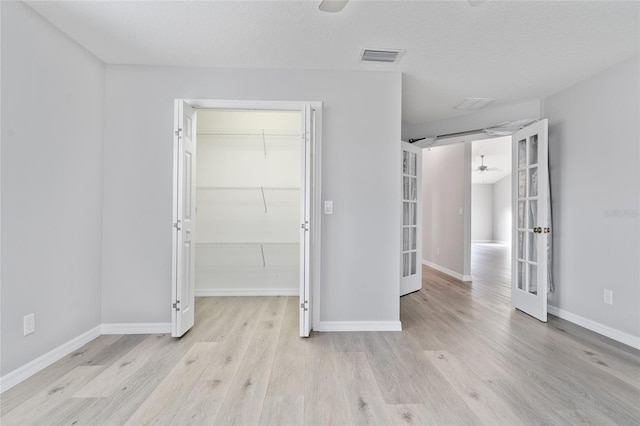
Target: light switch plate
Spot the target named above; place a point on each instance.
(328, 207)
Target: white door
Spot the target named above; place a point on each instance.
(305, 219)
(410, 257)
(530, 206)
(184, 202)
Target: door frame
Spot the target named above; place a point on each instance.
(315, 259)
(470, 137)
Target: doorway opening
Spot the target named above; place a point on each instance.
(248, 189)
(491, 164)
(447, 217)
(246, 179)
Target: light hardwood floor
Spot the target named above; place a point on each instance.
(464, 357)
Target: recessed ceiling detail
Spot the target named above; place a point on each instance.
(381, 55)
(474, 103)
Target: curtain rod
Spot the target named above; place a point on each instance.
(449, 135)
(502, 129)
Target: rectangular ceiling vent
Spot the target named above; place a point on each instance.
(381, 55)
(474, 103)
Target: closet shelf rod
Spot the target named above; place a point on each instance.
(251, 243)
(249, 188)
(208, 133)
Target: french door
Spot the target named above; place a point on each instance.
(184, 206)
(411, 254)
(530, 207)
(305, 219)
(184, 219)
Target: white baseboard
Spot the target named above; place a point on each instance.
(447, 271)
(20, 374)
(358, 326)
(213, 292)
(605, 330)
(137, 328)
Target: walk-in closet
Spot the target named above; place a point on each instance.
(248, 202)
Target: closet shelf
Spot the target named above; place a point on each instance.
(245, 243)
(257, 245)
(244, 188)
(260, 133)
(257, 132)
(248, 188)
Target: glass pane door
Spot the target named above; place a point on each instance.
(409, 212)
(530, 233)
(411, 247)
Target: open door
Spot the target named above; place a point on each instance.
(411, 255)
(305, 218)
(184, 201)
(530, 206)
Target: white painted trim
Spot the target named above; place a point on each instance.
(316, 218)
(447, 271)
(216, 292)
(20, 374)
(358, 326)
(594, 326)
(137, 328)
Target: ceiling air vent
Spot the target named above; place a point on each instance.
(380, 55)
(474, 103)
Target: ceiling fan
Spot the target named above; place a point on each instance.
(334, 6)
(482, 168)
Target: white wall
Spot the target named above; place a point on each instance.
(481, 212)
(595, 181)
(361, 172)
(52, 106)
(445, 183)
(502, 210)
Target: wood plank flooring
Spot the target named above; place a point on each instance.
(463, 357)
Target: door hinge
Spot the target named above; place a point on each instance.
(177, 225)
(304, 305)
(175, 305)
(177, 133)
(304, 226)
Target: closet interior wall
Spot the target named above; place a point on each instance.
(248, 202)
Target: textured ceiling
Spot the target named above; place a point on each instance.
(511, 51)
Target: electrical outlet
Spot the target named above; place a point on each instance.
(29, 324)
(608, 296)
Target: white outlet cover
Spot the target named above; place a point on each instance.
(29, 324)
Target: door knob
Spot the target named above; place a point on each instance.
(537, 230)
(547, 230)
